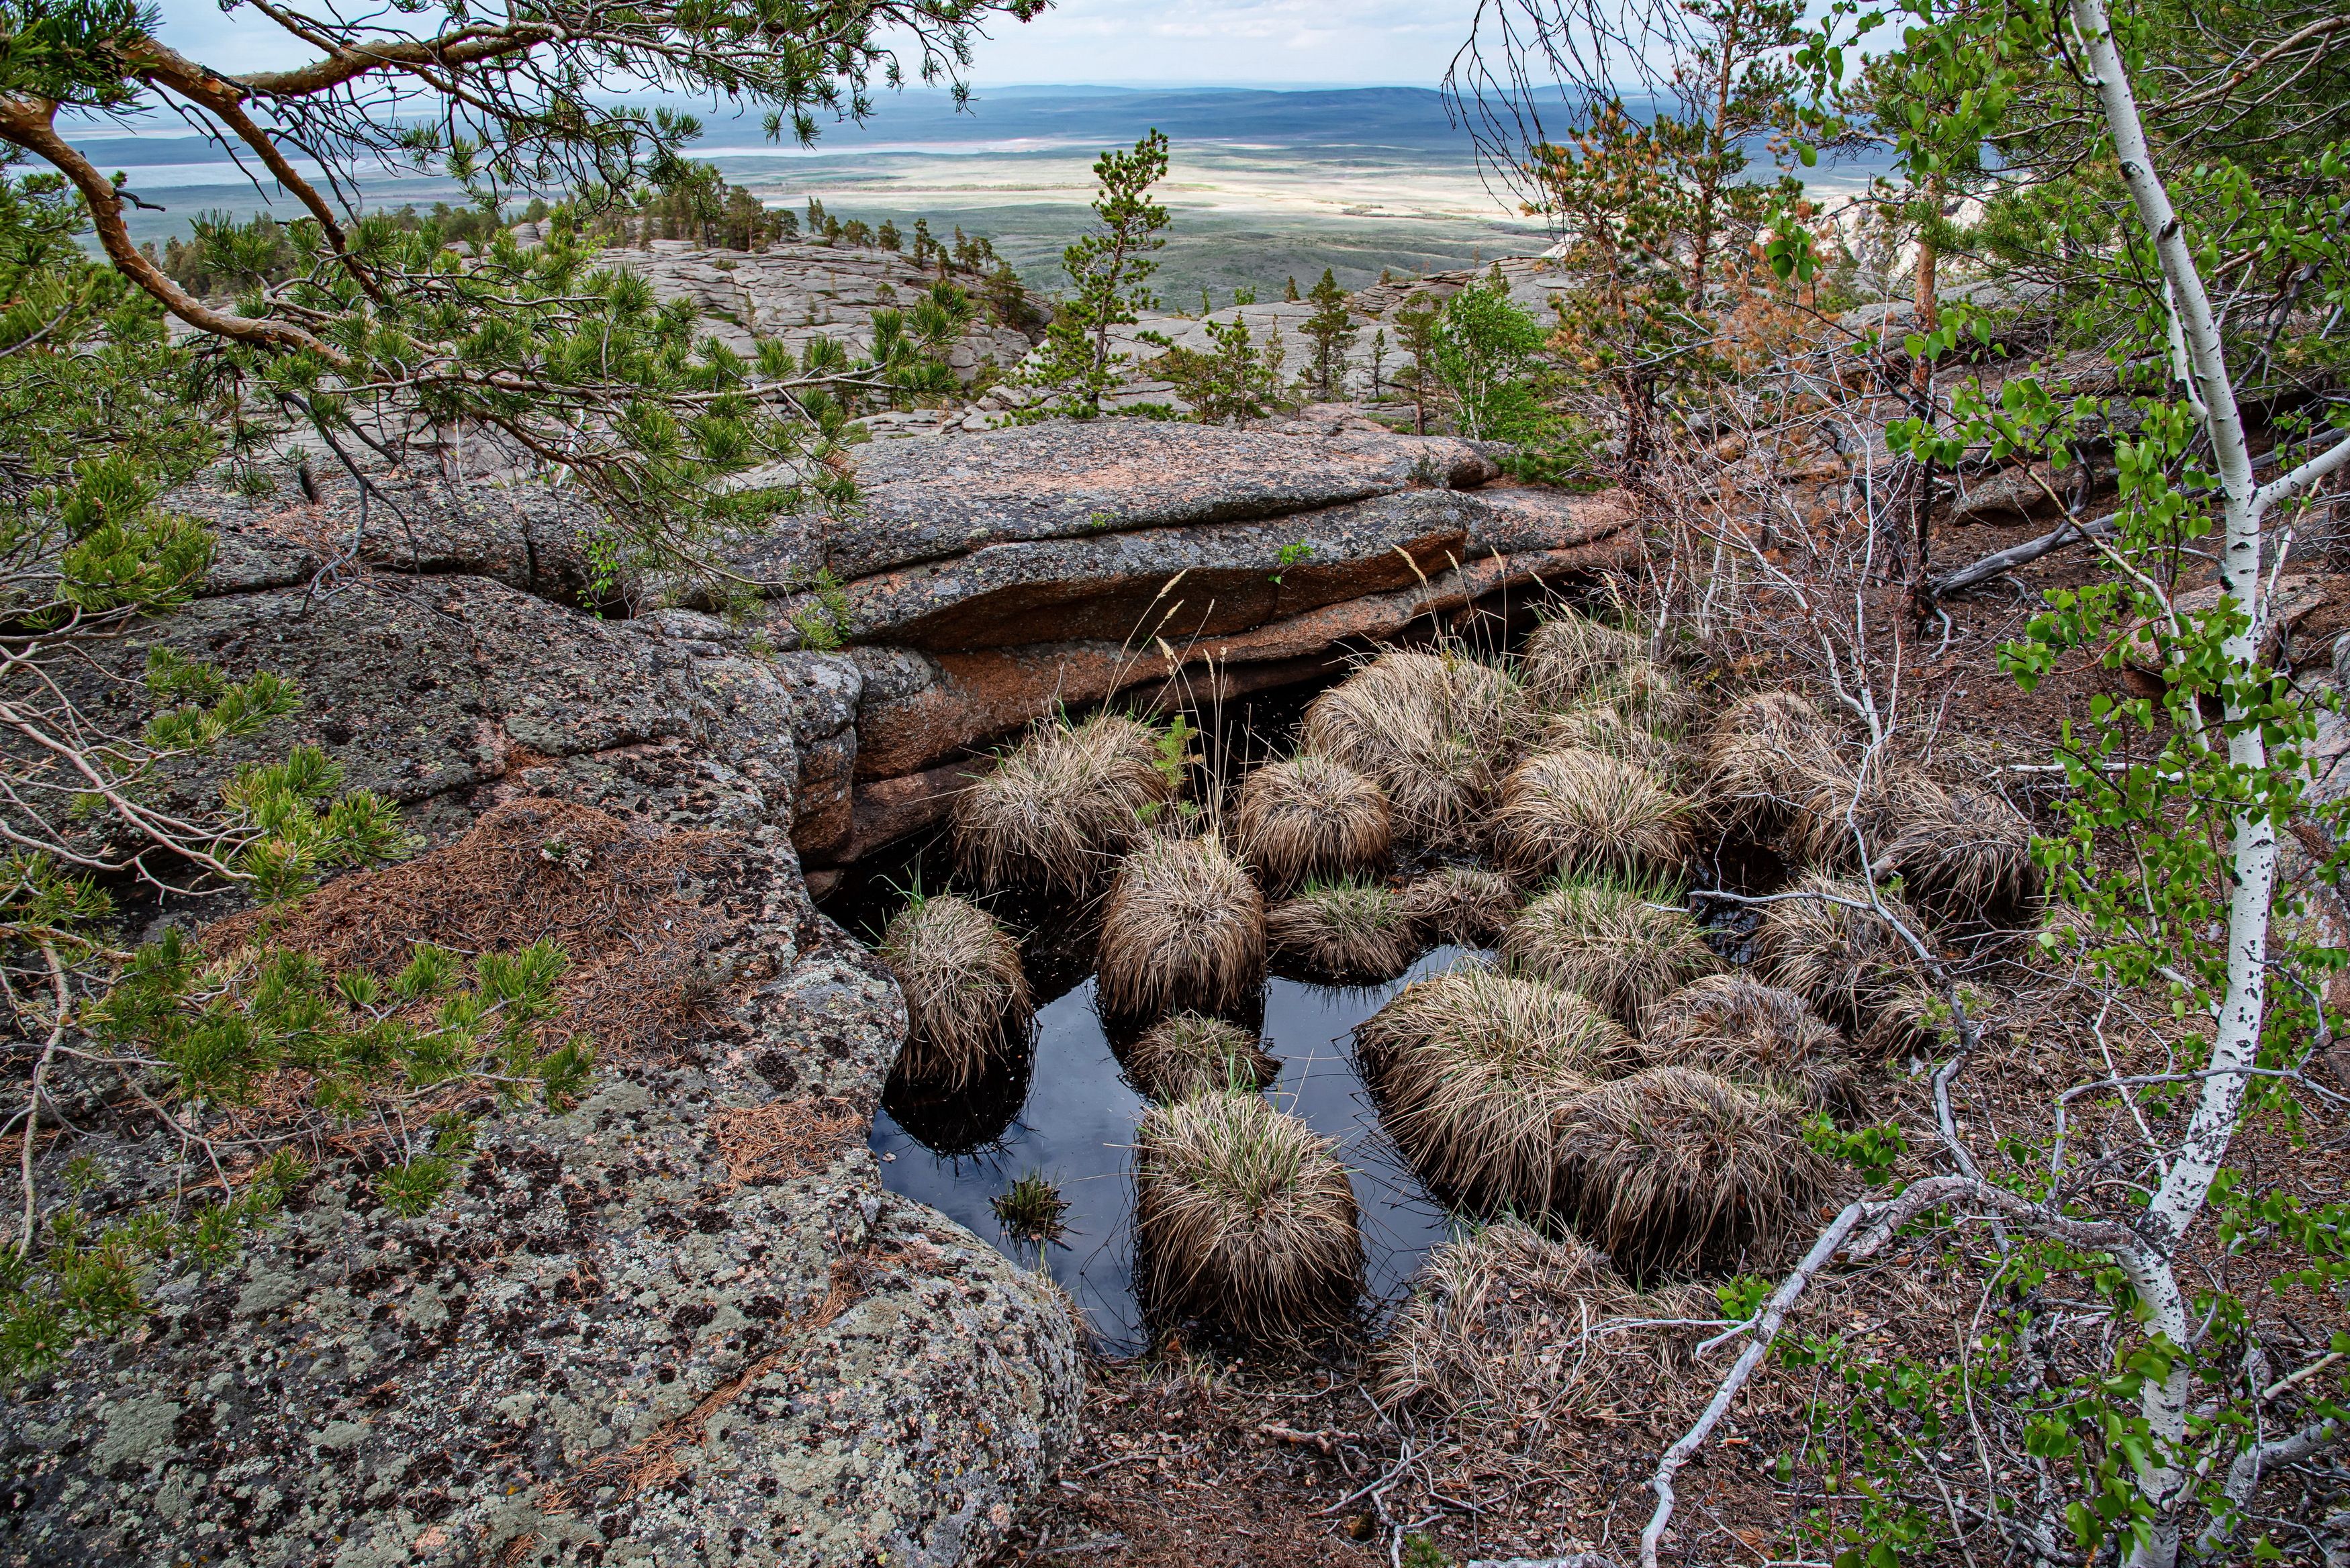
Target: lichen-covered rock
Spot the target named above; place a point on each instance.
(680, 1324)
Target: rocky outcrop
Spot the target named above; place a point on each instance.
(681, 1323)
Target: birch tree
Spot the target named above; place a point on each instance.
(2168, 852)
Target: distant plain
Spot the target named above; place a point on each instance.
(1266, 185)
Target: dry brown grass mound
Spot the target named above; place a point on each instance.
(1061, 805)
(1464, 904)
(1762, 758)
(1243, 1218)
(1568, 653)
(1432, 730)
(1345, 932)
(1193, 1053)
(1645, 692)
(1595, 727)
(1740, 1029)
(1964, 855)
(1677, 1170)
(1511, 1331)
(1473, 1072)
(1184, 927)
(1830, 945)
(965, 994)
(1310, 816)
(1584, 811)
(1625, 946)
(619, 896)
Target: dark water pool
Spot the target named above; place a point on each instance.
(1076, 1126)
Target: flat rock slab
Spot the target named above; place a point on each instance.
(933, 496)
(1117, 585)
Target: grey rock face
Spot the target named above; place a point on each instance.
(623, 1337)
(938, 496)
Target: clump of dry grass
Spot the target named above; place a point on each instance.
(1474, 1072)
(1464, 904)
(1310, 815)
(1830, 945)
(1193, 1053)
(1964, 855)
(1508, 1334)
(1062, 804)
(1584, 811)
(1678, 1169)
(1597, 727)
(1347, 933)
(1625, 945)
(1738, 1028)
(1184, 927)
(963, 987)
(1762, 758)
(1645, 692)
(1431, 729)
(1243, 1218)
(1570, 652)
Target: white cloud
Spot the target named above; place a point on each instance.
(1332, 42)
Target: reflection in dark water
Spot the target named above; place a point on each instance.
(963, 1120)
(1076, 1128)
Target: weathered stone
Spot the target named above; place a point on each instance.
(985, 692)
(928, 498)
(1234, 575)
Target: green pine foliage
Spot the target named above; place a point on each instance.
(1109, 269)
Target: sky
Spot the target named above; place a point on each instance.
(1255, 42)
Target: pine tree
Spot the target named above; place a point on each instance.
(1332, 332)
(1415, 334)
(1290, 294)
(1109, 270)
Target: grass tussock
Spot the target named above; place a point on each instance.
(1343, 932)
(1432, 730)
(1184, 927)
(1468, 904)
(1244, 1219)
(1965, 854)
(1645, 692)
(1595, 727)
(1496, 1338)
(1625, 945)
(1680, 1170)
(1308, 816)
(965, 994)
(1193, 1053)
(1569, 653)
(1832, 947)
(1062, 804)
(1581, 811)
(1735, 1027)
(1762, 759)
(1474, 1072)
